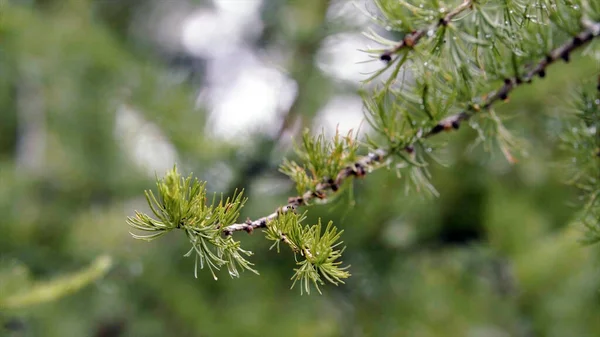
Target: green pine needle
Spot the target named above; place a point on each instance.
(316, 251)
(322, 159)
(182, 204)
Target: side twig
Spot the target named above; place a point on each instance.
(410, 40)
(591, 30)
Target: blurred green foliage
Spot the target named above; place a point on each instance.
(494, 255)
(18, 291)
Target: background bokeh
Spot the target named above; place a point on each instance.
(98, 96)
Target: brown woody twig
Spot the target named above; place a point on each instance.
(410, 40)
(591, 30)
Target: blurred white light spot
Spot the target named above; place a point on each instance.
(340, 57)
(219, 176)
(343, 113)
(144, 141)
(250, 103)
(209, 33)
(204, 33)
(242, 9)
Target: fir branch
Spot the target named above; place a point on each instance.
(591, 30)
(410, 40)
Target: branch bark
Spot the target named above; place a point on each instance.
(357, 169)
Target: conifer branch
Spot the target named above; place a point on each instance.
(357, 169)
(410, 40)
(591, 30)
(360, 167)
(403, 118)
